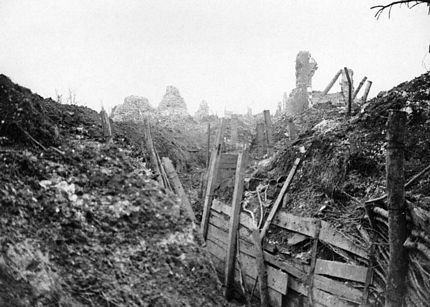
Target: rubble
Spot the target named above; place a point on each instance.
(134, 108)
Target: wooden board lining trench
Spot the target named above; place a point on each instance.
(326, 290)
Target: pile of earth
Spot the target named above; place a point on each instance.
(343, 166)
(82, 221)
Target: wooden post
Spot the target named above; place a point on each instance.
(397, 267)
(234, 224)
(349, 92)
(234, 136)
(330, 85)
(366, 91)
(212, 177)
(292, 130)
(208, 150)
(261, 144)
(107, 130)
(153, 154)
(269, 131)
(358, 88)
(261, 269)
(178, 188)
(279, 198)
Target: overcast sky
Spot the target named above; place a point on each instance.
(231, 53)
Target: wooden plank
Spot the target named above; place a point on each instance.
(234, 224)
(177, 186)
(300, 271)
(332, 236)
(303, 225)
(321, 298)
(213, 172)
(276, 279)
(216, 250)
(220, 221)
(219, 210)
(341, 270)
(328, 234)
(278, 201)
(276, 299)
(229, 158)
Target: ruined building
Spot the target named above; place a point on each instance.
(172, 103)
(134, 108)
(202, 112)
(298, 100)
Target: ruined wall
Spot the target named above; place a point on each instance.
(202, 112)
(298, 100)
(172, 103)
(134, 108)
(305, 69)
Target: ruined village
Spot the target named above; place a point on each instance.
(323, 202)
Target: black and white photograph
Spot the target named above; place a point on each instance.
(226, 153)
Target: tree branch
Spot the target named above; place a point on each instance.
(409, 3)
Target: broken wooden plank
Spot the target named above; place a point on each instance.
(212, 176)
(178, 188)
(278, 201)
(222, 211)
(234, 223)
(276, 279)
(329, 234)
(341, 270)
(300, 271)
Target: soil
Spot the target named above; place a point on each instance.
(83, 223)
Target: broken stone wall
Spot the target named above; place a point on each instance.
(172, 103)
(134, 108)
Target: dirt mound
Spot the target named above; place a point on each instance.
(84, 225)
(344, 166)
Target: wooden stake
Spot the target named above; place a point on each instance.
(107, 130)
(358, 88)
(178, 188)
(234, 224)
(208, 150)
(366, 91)
(349, 92)
(153, 154)
(261, 269)
(261, 144)
(279, 198)
(330, 85)
(234, 136)
(397, 266)
(212, 177)
(269, 131)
